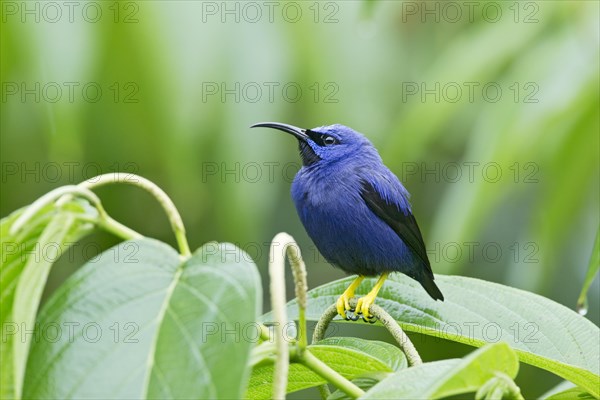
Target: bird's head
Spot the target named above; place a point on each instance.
(326, 143)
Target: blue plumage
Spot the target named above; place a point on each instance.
(342, 226)
(354, 208)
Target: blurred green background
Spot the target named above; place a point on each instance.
(487, 111)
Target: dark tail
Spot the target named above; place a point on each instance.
(430, 287)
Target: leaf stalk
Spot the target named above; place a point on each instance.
(284, 245)
(163, 199)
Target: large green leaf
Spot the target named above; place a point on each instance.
(351, 357)
(449, 377)
(27, 257)
(141, 323)
(543, 332)
(570, 394)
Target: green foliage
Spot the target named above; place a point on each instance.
(162, 324)
(570, 394)
(27, 257)
(351, 357)
(184, 133)
(142, 321)
(365, 382)
(440, 379)
(548, 150)
(386, 352)
(542, 332)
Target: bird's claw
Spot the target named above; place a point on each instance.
(362, 308)
(342, 305)
(343, 302)
(360, 311)
(371, 320)
(362, 305)
(345, 310)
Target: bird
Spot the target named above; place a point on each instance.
(356, 212)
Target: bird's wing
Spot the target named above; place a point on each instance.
(398, 217)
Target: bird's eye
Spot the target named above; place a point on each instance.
(329, 140)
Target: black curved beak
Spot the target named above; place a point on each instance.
(294, 130)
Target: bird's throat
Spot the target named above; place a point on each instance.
(308, 155)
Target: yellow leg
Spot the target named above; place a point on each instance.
(343, 302)
(362, 307)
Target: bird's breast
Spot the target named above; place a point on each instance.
(321, 188)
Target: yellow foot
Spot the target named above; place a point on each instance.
(343, 302)
(342, 305)
(364, 303)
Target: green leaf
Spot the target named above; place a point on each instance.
(542, 332)
(501, 386)
(592, 271)
(27, 257)
(449, 377)
(572, 393)
(141, 323)
(365, 382)
(391, 355)
(562, 386)
(346, 356)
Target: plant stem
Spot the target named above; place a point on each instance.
(386, 319)
(51, 197)
(277, 286)
(299, 272)
(298, 350)
(117, 228)
(407, 347)
(309, 360)
(63, 194)
(164, 200)
(290, 248)
(499, 387)
(264, 353)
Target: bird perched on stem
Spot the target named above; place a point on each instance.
(356, 211)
